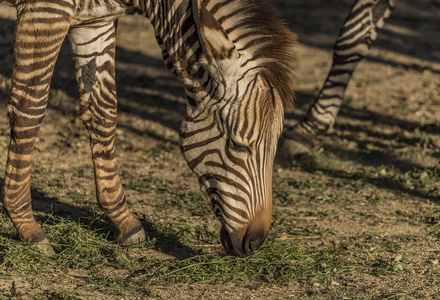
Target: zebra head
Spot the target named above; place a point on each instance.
(235, 92)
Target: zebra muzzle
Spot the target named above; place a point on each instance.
(243, 243)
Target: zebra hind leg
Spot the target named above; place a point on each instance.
(353, 43)
(94, 52)
(36, 49)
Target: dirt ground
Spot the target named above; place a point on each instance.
(373, 181)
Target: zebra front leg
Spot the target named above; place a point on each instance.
(352, 45)
(36, 47)
(94, 53)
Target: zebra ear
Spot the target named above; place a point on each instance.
(213, 38)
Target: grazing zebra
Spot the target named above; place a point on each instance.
(352, 45)
(235, 61)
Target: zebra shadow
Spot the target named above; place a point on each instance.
(361, 127)
(411, 30)
(50, 210)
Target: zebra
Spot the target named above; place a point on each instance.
(356, 36)
(235, 60)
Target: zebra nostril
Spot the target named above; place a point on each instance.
(255, 244)
(245, 241)
(253, 240)
(231, 242)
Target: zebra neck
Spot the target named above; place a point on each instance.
(177, 36)
(175, 32)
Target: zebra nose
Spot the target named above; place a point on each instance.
(244, 244)
(254, 238)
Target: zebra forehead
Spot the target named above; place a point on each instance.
(263, 98)
(262, 113)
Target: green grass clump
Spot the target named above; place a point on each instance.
(434, 218)
(275, 263)
(424, 181)
(76, 246)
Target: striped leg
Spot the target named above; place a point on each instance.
(94, 51)
(36, 49)
(352, 45)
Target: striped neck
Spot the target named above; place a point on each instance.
(175, 32)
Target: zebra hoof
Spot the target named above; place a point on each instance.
(290, 147)
(295, 141)
(132, 239)
(45, 248)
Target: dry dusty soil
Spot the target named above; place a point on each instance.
(369, 193)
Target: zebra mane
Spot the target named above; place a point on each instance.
(274, 43)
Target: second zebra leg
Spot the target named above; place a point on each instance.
(353, 43)
(94, 52)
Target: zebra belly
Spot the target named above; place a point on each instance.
(91, 12)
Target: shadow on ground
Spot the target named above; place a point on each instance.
(98, 223)
(412, 28)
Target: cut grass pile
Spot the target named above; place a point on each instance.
(79, 247)
(137, 269)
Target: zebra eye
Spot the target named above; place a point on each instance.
(239, 147)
